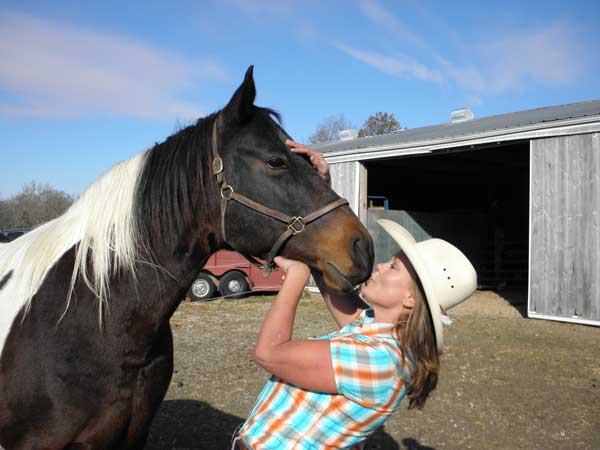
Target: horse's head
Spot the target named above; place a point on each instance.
(258, 165)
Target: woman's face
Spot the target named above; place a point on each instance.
(390, 286)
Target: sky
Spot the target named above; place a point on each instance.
(84, 85)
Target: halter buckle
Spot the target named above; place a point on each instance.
(296, 225)
(227, 192)
(217, 166)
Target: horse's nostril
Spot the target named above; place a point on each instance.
(362, 252)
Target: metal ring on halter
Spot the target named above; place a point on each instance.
(217, 166)
(227, 192)
(296, 225)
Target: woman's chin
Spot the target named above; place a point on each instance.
(362, 291)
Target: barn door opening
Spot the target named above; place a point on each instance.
(477, 199)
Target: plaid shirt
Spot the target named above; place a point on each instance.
(371, 381)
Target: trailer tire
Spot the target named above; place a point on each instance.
(234, 284)
(203, 288)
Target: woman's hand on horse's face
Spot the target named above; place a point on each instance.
(316, 158)
(290, 266)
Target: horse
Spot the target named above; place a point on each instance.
(86, 349)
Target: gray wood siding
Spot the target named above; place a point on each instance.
(565, 228)
(343, 180)
(362, 193)
(349, 180)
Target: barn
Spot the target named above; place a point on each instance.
(519, 193)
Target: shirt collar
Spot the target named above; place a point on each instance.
(365, 324)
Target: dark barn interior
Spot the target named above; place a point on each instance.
(475, 198)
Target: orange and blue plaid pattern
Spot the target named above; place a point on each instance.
(371, 381)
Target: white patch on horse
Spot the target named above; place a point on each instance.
(101, 223)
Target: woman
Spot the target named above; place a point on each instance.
(332, 392)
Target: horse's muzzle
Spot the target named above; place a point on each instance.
(362, 255)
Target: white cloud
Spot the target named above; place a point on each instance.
(56, 70)
(378, 15)
(400, 65)
(260, 8)
(473, 100)
(468, 77)
(552, 54)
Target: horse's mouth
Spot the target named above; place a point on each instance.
(336, 279)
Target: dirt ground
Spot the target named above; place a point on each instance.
(507, 382)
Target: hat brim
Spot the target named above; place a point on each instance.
(408, 245)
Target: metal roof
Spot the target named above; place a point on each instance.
(450, 130)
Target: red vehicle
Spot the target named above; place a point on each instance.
(232, 276)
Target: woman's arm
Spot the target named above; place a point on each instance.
(304, 363)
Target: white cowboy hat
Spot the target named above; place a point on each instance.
(447, 276)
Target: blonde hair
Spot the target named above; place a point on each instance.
(416, 338)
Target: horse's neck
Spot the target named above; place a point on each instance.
(184, 256)
(160, 288)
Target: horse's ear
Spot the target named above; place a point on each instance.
(240, 108)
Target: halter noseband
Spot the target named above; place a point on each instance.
(295, 224)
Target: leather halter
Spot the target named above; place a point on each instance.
(294, 225)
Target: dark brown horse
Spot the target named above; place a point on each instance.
(85, 300)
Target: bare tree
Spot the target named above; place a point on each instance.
(379, 123)
(35, 204)
(7, 215)
(328, 129)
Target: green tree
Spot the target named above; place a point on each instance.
(379, 123)
(329, 128)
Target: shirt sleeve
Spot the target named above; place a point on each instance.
(364, 370)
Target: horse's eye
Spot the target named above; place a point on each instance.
(275, 163)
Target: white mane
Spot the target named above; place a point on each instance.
(100, 223)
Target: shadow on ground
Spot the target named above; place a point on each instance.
(517, 298)
(191, 424)
(195, 425)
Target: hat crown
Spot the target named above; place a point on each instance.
(452, 275)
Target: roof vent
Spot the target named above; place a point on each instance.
(351, 133)
(461, 115)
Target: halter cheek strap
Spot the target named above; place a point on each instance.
(294, 225)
